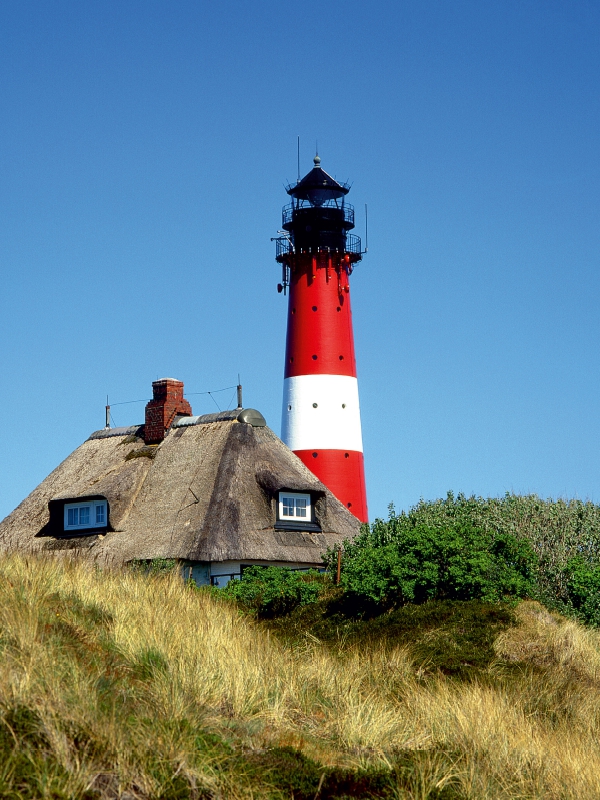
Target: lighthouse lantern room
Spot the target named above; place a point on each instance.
(321, 412)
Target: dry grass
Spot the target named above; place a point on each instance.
(112, 682)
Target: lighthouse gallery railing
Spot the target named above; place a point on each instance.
(284, 246)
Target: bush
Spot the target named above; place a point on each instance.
(272, 591)
(558, 531)
(584, 590)
(405, 560)
(564, 535)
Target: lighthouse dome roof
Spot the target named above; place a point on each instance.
(318, 186)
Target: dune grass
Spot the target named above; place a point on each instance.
(114, 684)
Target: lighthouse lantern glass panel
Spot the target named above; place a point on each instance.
(294, 506)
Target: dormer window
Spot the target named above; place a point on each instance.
(295, 510)
(294, 507)
(90, 514)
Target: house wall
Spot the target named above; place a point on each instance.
(197, 571)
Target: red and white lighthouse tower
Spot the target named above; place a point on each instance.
(321, 412)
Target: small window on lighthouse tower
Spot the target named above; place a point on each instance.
(293, 505)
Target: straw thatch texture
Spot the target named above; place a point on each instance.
(208, 492)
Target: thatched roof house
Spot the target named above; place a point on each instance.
(215, 492)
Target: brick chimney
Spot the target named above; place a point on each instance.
(167, 403)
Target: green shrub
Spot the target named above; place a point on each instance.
(272, 591)
(558, 530)
(584, 589)
(405, 560)
(561, 534)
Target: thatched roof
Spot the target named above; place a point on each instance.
(207, 493)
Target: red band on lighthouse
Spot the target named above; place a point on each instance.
(321, 411)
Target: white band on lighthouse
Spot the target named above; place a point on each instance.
(321, 412)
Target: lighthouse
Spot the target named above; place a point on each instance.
(321, 412)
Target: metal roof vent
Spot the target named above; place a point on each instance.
(252, 417)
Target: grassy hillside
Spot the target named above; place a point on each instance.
(118, 685)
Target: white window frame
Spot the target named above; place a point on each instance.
(295, 518)
(92, 505)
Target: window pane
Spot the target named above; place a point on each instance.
(100, 514)
(300, 507)
(288, 506)
(84, 515)
(72, 516)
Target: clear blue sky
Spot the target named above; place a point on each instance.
(143, 152)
